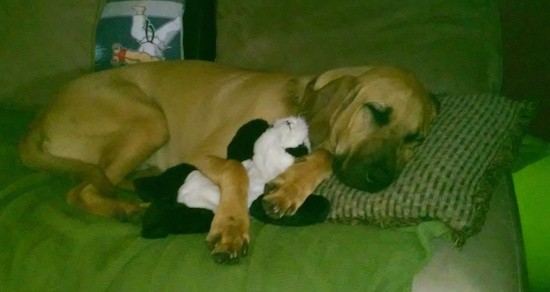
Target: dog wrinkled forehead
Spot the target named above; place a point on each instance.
(334, 74)
(292, 131)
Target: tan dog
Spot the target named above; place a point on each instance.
(364, 124)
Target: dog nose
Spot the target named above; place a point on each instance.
(378, 178)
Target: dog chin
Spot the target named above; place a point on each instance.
(360, 176)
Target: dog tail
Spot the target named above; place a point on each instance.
(34, 156)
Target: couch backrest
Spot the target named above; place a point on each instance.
(452, 45)
(43, 45)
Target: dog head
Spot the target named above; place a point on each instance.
(371, 122)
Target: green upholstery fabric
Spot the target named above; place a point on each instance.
(532, 185)
(44, 45)
(453, 46)
(47, 245)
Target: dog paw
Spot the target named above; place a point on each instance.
(228, 239)
(282, 199)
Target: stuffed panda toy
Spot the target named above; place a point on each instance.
(272, 155)
(183, 200)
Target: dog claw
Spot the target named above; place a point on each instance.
(271, 210)
(244, 249)
(227, 252)
(225, 258)
(276, 212)
(230, 258)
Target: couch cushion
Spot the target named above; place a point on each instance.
(454, 46)
(130, 32)
(142, 31)
(492, 260)
(48, 245)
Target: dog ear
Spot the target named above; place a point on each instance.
(315, 101)
(331, 75)
(335, 92)
(319, 105)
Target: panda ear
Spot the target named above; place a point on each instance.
(301, 150)
(241, 146)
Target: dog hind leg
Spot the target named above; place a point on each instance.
(143, 130)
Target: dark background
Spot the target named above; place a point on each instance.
(526, 49)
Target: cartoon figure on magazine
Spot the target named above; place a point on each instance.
(152, 42)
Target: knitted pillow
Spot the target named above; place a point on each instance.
(130, 32)
(451, 178)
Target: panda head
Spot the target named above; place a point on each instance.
(292, 132)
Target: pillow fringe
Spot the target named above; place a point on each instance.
(499, 166)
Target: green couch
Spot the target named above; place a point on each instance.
(47, 245)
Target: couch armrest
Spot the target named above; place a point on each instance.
(492, 260)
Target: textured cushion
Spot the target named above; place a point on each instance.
(453, 174)
(130, 32)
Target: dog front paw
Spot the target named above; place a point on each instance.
(282, 199)
(228, 238)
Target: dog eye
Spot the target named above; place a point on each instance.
(415, 138)
(380, 114)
